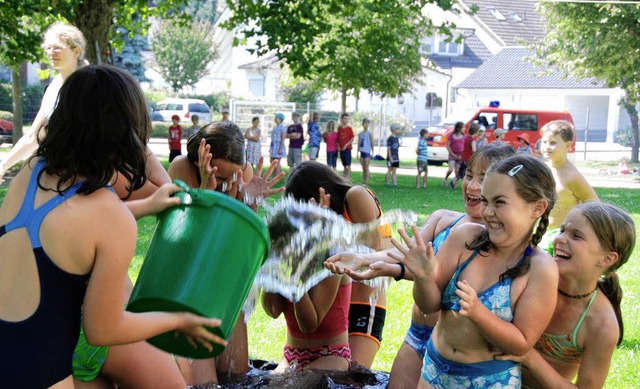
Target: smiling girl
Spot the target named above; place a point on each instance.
(493, 289)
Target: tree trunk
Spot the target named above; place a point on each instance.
(343, 99)
(94, 19)
(630, 107)
(16, 84)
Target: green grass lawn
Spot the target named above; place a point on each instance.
(267, 336)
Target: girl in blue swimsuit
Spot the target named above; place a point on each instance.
(595, 240)
(494, 287)
(66, 239)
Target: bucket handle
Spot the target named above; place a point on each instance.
(196, 196)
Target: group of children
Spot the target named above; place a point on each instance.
(493, 307)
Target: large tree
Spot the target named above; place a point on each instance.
(183, 52)
(601, 41)
(344, 46)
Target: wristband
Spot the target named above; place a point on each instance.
(401, 275)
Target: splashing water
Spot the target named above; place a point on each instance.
(304, 235)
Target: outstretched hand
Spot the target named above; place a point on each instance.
(193, 327)
(416, 256)
(260, 187)
(354, 265)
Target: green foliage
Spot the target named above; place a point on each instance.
(596, 40)
(6, 115)
(160, 129)
(153, 96)
(183, 52)
(300, 92)
(344, 46)
(623, 137)
(216, 101)
(31, 99)
(6, 99)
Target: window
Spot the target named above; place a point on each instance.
(198, 107)
(488, 120)
(521, 121)
(425, 48)
(256, 87)
(449, 48)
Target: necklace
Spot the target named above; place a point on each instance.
(577, 296)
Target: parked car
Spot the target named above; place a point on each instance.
(6, 132)
(516, 121)
(184, 108)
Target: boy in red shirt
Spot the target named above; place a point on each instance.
(175, 138)
(345, 137)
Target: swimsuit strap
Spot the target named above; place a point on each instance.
(583, 315)
(30, 217)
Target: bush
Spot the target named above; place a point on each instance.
(160, 130)
(623, 137)
(216, 101)
(6, 115)
(153, 97)
(6, 99)
(31, 99)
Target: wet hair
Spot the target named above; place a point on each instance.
(458, 127)
(560, 127)
(423, 131)
(255, 118)
(616, 232)
(331, 125)
(100, 126)
(474, 128)
(490, 154)
(306, 179)
(70, 36)
(533, 181)
(225, 139)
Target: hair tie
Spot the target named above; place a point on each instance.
(528, 251)
(401, 275)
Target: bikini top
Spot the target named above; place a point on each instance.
(49, 336)
(442, 235)
(335, 322)
(497, 297)
(564, 347)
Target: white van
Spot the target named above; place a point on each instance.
(184, 108)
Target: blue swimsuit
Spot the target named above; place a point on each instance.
(418, 334)
(37, 352)
(443, 373)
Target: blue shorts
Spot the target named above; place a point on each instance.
(417, 337)
(442, 373)
(345, 157)
(365, 155)
(332, 158)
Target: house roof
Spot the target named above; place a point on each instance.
(474, 54)
(510, 69)
(267, 62)
(512, 23)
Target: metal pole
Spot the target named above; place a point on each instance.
(586, 137)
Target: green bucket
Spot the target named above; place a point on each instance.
(203, 258)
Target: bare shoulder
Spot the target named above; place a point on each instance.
(465, 232)
(601, 323)
(443, 218)
(183, 169)
(542, 264)
(362, 205)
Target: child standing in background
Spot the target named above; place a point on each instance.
(195, 120)
(393, 157)
(365, 147)
(331, 139)
(254, 148)
(468, 150)
(422, 159)
(315, 137)
(455, 146)
(278, 148)
(175, 138)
